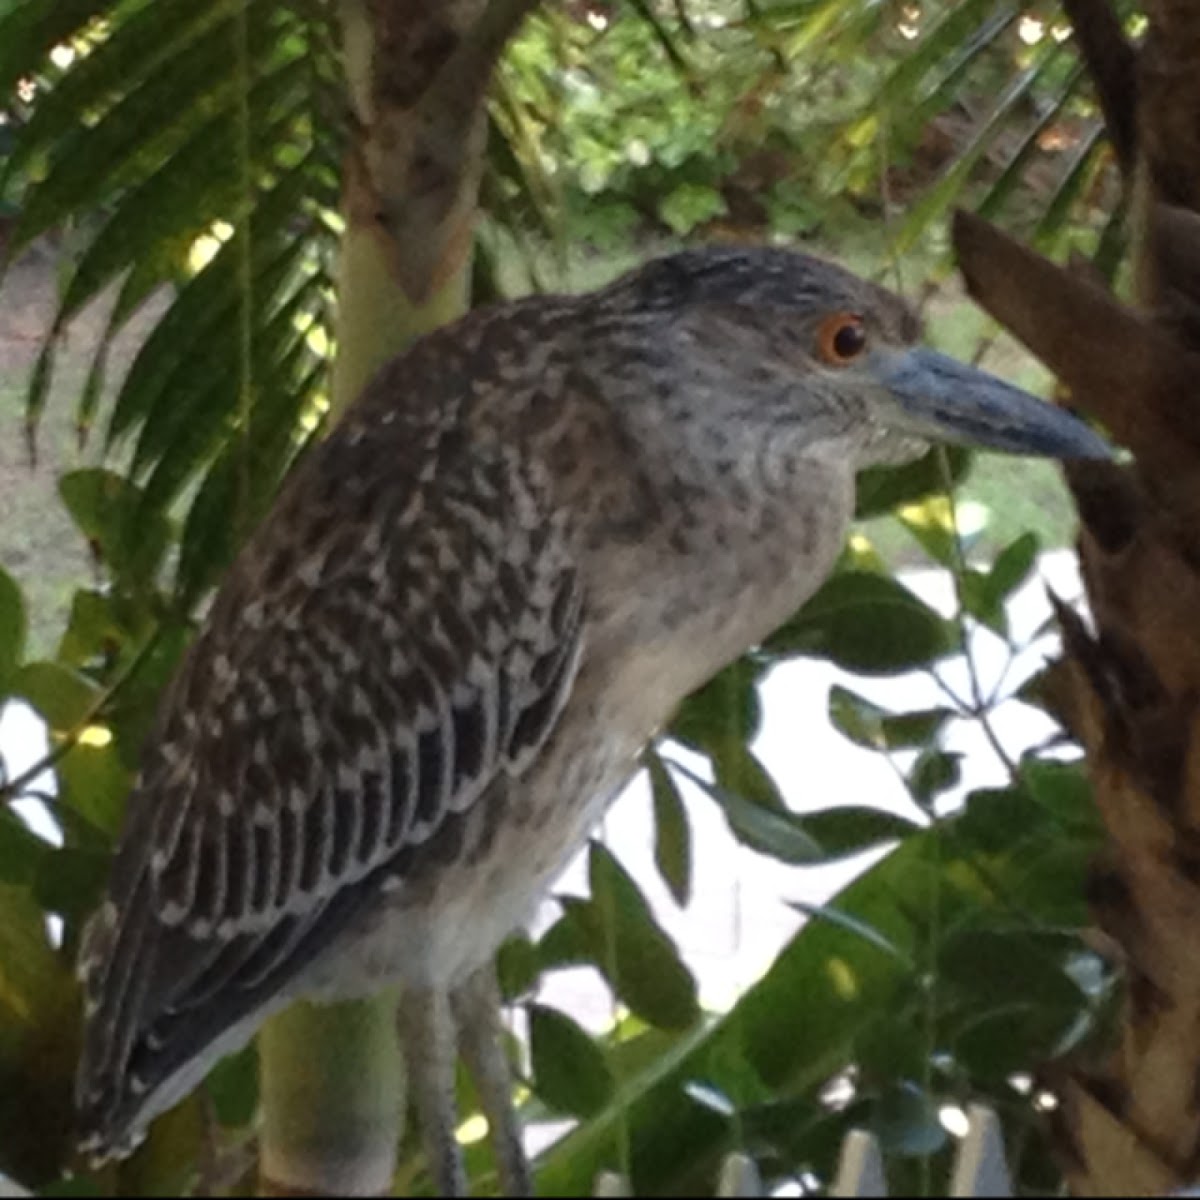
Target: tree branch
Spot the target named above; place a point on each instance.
(1172, 255)
(1112, 63)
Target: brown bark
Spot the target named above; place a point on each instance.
(417, 73)
(1130, 685)
(1112, 63)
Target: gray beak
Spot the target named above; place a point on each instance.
(945, 400)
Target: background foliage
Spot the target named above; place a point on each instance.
(185, 154)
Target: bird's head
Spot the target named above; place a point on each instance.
(818, 349)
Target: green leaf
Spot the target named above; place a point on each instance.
(148, 38)
(108, 511)
(1088, 160)
(31, 975)
(725, 709)
(70, 881)
(1050, 853)
(867, 623)
(1062, 789)
(858, 718)
(853, 925)
(936, 199)
(881, 489)
(1013, 565)
(984, 594)
(854, 828)
(1113, 243)
(836, 980)
(144, 129)
(952, 30)
(886, 1048)
(75, 1186)
(934, 772)
(932, 523)
(155, 222)
(198, 429)
(874, 728)
(918, 728)
(95, 782)
(1000, 966)
(187, 377)
(663, 36)
(241, 483)
(638, 958)
(204, 310)
(738, 770)
(994, 1041)
(514, 157)
(730, 1073)
(29, 30)
(233, 1086)
(517, 967)
(672, 834)
(571, 940)
(952, 61)
(39, 389)
(92, 629)
(570, 1071)
(981, 602)
(990, 815)
(76, 829)
(13, 626)
(780, 834)
(689, 205)
(21, 850)
(803, 839)
(157, 655)
(63, 697)
(1050, 114)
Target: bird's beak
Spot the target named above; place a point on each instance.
(944, 400)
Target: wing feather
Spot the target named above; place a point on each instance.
(320, 739)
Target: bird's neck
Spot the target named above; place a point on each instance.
(670, 609)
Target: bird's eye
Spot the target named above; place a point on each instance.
(841, 338)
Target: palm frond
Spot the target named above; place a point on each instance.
(197, 146)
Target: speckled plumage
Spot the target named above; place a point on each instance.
(439, 658)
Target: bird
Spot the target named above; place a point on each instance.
(442, 653)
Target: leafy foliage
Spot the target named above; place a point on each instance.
(195, 144)
(808, 119)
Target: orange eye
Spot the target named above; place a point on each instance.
(841, 338)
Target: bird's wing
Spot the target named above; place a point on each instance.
(383, 652)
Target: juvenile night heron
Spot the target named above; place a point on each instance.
(439, 658)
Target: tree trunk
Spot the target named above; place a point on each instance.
(1129, 687)
(417, 72)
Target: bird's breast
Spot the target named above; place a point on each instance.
(669, 611)
(662, 619)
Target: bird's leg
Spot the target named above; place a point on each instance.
(481, 1039)
(427, 1033)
